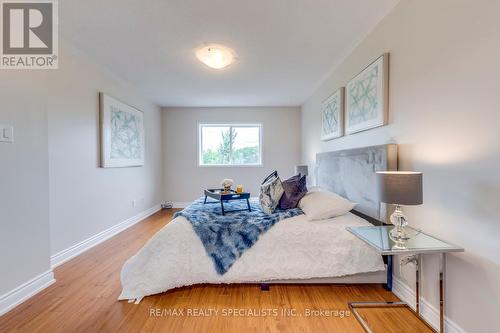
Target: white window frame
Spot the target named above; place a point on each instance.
(252, 124)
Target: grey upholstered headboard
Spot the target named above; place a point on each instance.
(351, 174)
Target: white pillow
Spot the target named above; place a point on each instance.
(322, 205)
(314, 189)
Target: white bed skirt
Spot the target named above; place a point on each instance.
(361, 278)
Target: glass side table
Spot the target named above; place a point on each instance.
(419, 244)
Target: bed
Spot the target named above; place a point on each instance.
(294, 250)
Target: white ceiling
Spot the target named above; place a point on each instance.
(285, 47)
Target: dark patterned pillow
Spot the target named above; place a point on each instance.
(294, 189)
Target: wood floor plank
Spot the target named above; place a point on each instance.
(84, 299)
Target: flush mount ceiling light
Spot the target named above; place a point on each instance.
(216, 56)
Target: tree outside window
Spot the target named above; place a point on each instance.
(230, 144)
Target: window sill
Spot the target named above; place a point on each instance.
(230, 166)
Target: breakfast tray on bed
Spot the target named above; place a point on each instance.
(221, 196)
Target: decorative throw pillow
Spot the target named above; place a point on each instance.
(322, 205)
(272, 175)
(294, 189)
(270, 194)
(315, 189)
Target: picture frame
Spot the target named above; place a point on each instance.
(121, 133)
(367, 97)
(332, 115)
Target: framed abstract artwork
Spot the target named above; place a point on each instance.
(122, 133)
(367, 97)
(332, 116)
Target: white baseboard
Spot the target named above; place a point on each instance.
(181, 204)
(29, 289)
(427, 310)
(71, 252)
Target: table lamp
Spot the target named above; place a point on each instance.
(301, 169)
(400, 188)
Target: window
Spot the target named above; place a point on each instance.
(230, 144)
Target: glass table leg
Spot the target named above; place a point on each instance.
(442, 280)
(418, 279)
(417, 260)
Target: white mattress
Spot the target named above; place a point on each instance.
(294, 248)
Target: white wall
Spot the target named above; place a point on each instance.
(52, 193)
(24, 191)
(86, 199)
(444, 114)
(185, 180)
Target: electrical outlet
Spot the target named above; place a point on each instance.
(134, 203)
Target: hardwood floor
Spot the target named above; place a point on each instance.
(84, 300)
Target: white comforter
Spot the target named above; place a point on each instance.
(293, 249)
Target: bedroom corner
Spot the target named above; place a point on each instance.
(200, 166)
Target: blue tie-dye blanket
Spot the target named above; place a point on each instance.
(226, 238)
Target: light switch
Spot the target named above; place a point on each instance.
(6, 133)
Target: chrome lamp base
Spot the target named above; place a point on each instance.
(399, 235)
